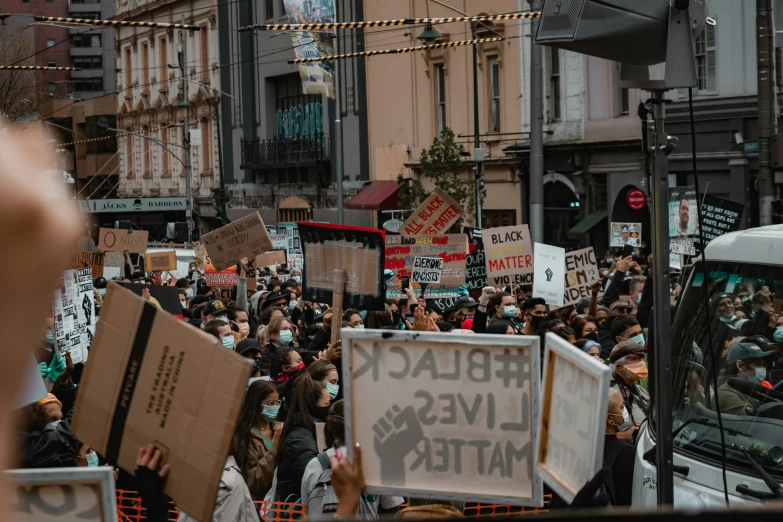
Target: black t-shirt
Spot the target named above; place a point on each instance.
(620, 458)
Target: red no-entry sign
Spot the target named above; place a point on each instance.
(637, 199)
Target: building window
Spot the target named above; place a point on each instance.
(163, 57)
(145, 67)
(499, 218)
(206, 146)
(164, 154)
(50, 42)
(88, 62)
(706, 60)
(52, 87)
(440, 96)
(127, 68)
(130, 155)
(554, 84)
(203, 41)
(88, 85)
(282, 8)
(93, 131)
(86, 40)
(288, 93)
(494, 90)
(51, 63)
(269, 7)
(146, 154)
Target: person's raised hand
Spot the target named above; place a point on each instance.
(277, 439)
(625, 264)
(348, 481)
(420, 323)
(327, 318)
(431, 325)
(243, 267)
(487, 293)
(69, 366)
(145, 293)
(596, 286)
(335, 351)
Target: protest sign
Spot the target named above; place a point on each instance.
(113, 260)
(164, 297)
(246, 237)
(682, 245)
(160, 261)
(61, 495)
(675, 261)
(435, 215)
(200, 254)
(279, 241)
(118, 240)
(337, 304)
(509, 256)
(358, 251)
(475, 238)
(273, 257)
(401, 251)
(155, 379)
(226, 278)
(581, 271)
(626, 234)
(427, 270)
(549, 266)
(476, 271)
(294, 254)
(719, 216)
(682, 211)
(93, 260)
(462, 419)
(73, 314)
(573, 417)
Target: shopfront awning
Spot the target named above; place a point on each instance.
(379, 195)
(587, 224)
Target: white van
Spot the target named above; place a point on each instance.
(740, 264)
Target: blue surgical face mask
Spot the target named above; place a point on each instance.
(270, 412)
(728, 319)
(638, 339)
(102, 292)
(359, 327)
(333, 389)
(509, 311)
(228, 341)
(778, 335)
(49, 337)
(92, 460)
(292, 304)
(184, 304)
(759, 375)
(286, 337)
(298, 279)
(639, 297)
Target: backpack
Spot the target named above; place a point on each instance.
(323, 499)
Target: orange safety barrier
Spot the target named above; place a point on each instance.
(130, 509)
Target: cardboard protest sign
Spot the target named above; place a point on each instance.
(294, 253)
(625, 234)
(573, 417)
(435, 215)
(476, 263)
(226, 278)
(581, 270)
(279, 241)
(461, 422)
(118, 240)
(358, 251)
(113, 260)
(682, 211)
(401, 252)
(200, 253)
(154, 379)
(246, 237)
(274, 257)
(73, 314)
(549, 272)
(93, 260)
(337, 304)
(509, 256)
(61, 495)
(160, 261)
(427, 270)
(719, 216)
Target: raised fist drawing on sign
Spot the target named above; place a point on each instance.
(396, 434)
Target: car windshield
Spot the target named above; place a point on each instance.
(740, 321)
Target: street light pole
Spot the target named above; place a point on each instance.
(478, 151)
(536, 217)
(338, 129)
(186, 137)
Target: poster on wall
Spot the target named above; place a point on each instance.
(626, 234)
(682, 211)
(317, 77)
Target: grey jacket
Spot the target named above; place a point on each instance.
(233, 503)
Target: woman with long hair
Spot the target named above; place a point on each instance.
(327, 373)
(279, 335)
(309, 404)
(257, 437)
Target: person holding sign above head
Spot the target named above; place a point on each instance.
(619, 456)
(628, 368)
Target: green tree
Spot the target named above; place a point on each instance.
(442, 164)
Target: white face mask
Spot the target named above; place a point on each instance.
(189, 293)
(222, 318)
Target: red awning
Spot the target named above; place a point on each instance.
(379, 195)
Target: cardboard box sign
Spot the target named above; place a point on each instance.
(274, 257)
(435, 215)
(444, 416)
(118, 240)
(246, 237)
(160, 261)
(573, 417)
(509, 255)
(152, 379)
(94, 260)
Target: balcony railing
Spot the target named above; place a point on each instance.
(281, 153)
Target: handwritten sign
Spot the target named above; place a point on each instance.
(117, 240)
(461, 421)
(294, 253)
(434, 216)
(427, 270)
(581, 270)
(160, 261)
(273, 257)
(401, 251)
(549, 272)
(719, 216)
(73, 314)
(509, 256)
(682, 245)
(226, 278)
(246, 237)
(93, 260)
(113, 260)
(571, 433)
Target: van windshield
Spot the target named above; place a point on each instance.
(743, 323)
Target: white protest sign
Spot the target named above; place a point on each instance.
(570, 448)
(113, 260)
(509, 255)
(683, 245)
(461, 421)
(61, 495)
(427, 270)
(581, 271)
(74, 314)
(549, 264)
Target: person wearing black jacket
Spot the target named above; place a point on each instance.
(310, 404)
(619, 456)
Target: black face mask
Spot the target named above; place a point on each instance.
(321, 412)
(593, 336)
(257, 365)
(536, 320)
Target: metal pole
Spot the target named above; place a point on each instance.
(658, 140)
(223, 214)
(186, 138)
(536, 132)
(338, 129)
(479, 152)
(765, 57)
